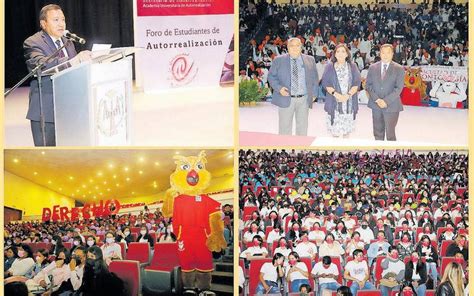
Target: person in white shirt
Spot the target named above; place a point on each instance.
(357, 271)
(253, 231)
(309, 221)
(270, 273)
(282, 248)
(76, 266)
(111, 250)
(354, 243)
(23, 264)
(275, 234)
(366, 234)
(257, 250)
(317, 234)
(326, 273)
(297, 273)
(330, 247)
(305, 248)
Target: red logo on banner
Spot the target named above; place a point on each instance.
(183, 70)
(184, 7)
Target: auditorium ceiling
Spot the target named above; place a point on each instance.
(91, 174)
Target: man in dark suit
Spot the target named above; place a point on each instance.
(37, 49)
(384, 84)
(294, 80)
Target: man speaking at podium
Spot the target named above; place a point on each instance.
(37, 49)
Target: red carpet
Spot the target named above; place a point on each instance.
(267, 139)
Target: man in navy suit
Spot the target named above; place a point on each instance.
(294, 80)
(37, 49)
(385, 81)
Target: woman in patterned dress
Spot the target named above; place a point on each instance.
(341, 80)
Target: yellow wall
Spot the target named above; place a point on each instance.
(217, 184)
(30, 197)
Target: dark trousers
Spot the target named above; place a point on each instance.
(50, 133)
(384, 124)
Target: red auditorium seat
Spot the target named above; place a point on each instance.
(378, 269)
(254, 273)
(139, 252)
(67, 245)
(245, 187)
(444, 247)
(461, 191)
(267, 230)
(249, 210)
(123, 247)
(101, 237)
(129, 272)
(38, 246)
(163, 276)
(134, 236)
(275, 245)
(444, 262)
(441, 230)
(369, 293)
(153, 235)
(259, 189)
(135, 229)
(430, 293)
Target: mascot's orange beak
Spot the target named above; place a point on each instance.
(192, 178)
(412, 80)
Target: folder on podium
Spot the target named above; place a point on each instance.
(92, 100)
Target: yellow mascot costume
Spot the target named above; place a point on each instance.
(197, 222)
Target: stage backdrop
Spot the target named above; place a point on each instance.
(185, 42)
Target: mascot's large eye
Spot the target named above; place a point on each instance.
(200, 166)
(185, 167)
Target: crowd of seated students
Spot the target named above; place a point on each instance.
(379, 220)
(78, 253)
(432, 34)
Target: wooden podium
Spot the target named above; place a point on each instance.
(92, 100)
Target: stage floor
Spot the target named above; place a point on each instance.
(198, 117)
(417, 126)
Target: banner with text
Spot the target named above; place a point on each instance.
(185, 42)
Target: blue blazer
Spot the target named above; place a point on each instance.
(279, 76)
(37, 48)
(329, 79)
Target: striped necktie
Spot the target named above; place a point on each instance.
(384, 71)
(61, 53)
(294, 78)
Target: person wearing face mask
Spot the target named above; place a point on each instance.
(96, 279)
(253, 231)
(255, 249)
(111, 250)
(275, 234)
(405, 247)
(428, 231)
(295, 233)
(59, 269)
(296, 272)
(23, 264)
(145, 237)
(443, 222)
(425, 219)
(354, 243)
(77, 242)
(90, 241)
(167, 235)
(366, 234)
(282, 247)
(452, 283)
(330, 247)
(76, 272)
(124, 236)
(272, 220)
(326, 273)
(415, 274)
(270, 275)
(316, 234)
(459, 246)
(407, 290)
(378, 248)
(430, 255)
(381, 226)
(11, 253)
(340, 233)
(41, 261)
(56, 245)
(449, 233)
(357, 271)
(393, 272)
(305, 248)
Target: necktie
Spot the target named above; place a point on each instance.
(384, 71)
(294, 78)
(58, 44)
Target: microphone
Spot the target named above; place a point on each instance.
(74, 37)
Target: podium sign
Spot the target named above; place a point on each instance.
(92, 103)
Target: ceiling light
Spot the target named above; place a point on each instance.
(71, 178)
(35, 173)
(141, 159)
(15, 160)
(177, 152)
(99, 174)
(128, 179)
(108, 189)
(125, 169)
(105, 182)
(42, 152)
(115, 176)
(157, 163)
(49, 182)
(91, 181)
(111, 165)
(140, 172)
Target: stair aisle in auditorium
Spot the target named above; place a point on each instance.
(223, 274)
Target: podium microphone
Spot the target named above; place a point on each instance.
(74, 37)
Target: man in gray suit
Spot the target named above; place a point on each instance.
(294, 80)
(37, 49)
(385, 81)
